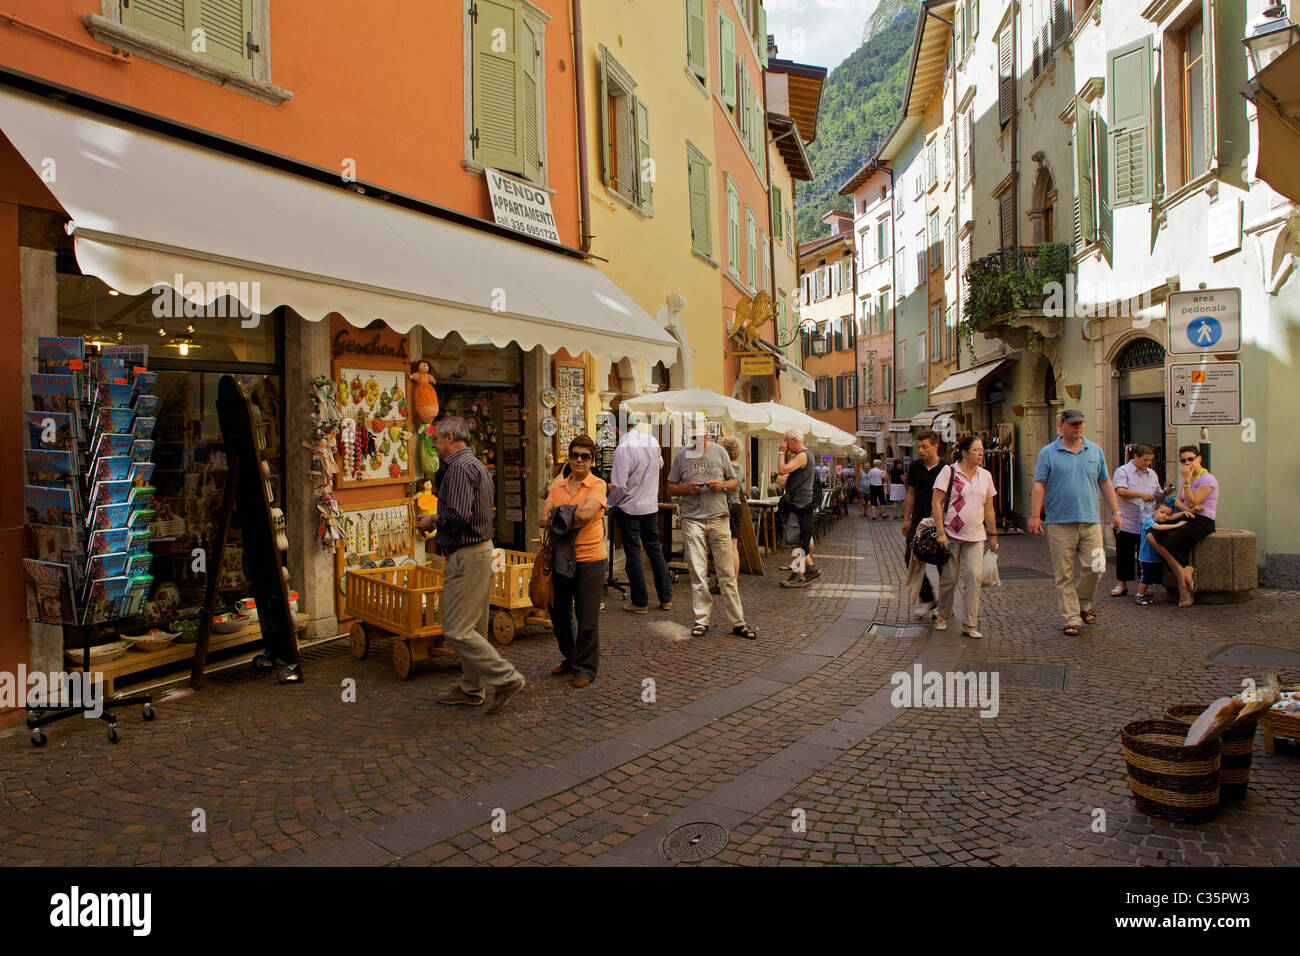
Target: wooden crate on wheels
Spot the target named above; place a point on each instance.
(403, 601)
(513, 608)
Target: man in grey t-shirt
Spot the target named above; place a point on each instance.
(701, 475)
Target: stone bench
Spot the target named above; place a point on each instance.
(1226, 570)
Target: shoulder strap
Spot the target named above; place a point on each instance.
(952, 479)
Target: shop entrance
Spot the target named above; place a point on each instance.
(493, 415)
(1142, 398)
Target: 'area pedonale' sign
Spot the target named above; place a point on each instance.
(521, 206)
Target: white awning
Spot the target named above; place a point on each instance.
(146, 208)
(923, 418)
(963, 386)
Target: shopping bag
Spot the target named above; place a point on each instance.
(989, 577)
(925, 544)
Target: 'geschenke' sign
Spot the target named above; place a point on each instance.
(522, 207)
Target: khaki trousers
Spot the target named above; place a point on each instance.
(701, 537)
(1069, 543)
(965, 560)
(467, 587)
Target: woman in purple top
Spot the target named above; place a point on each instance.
(1198, 502)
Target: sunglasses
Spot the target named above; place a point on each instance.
(580, 456)
(1187, 461)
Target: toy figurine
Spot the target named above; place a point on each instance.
(423, 396)
(427, 504)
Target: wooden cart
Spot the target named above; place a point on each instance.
(513, 607)
(403, 601)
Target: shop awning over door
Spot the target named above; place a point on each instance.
(1278, 104)
(146, 208)
(964, 386)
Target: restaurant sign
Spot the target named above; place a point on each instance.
(757, 364)
(522, 207)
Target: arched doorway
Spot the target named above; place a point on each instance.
(1042, 208)
(1140, 366)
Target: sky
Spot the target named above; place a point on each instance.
(818, 32)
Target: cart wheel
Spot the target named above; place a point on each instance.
(149, 712)
(39, 739)
(113, 735)
(359, 641)
(503, 626)
(403, 660)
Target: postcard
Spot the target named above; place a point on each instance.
(49, 505)
(49, 592)
(50, 467)
(54, 393)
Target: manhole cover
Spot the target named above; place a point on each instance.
(1256, 655)
(898, 630)
(1012, 572)
(694, 842)
(1043, 676)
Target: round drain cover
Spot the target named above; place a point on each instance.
(694, 842)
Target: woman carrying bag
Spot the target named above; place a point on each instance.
(963, 509)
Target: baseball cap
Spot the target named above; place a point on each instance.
(1072, 416)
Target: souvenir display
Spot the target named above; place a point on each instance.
(570, 406)
(374, 443)
(423, 395)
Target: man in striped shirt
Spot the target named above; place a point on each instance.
(464, 521)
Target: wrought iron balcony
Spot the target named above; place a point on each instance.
(1006, 292)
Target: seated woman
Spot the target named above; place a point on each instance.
(1198, 502)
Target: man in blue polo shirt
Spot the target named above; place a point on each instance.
(1067, 477)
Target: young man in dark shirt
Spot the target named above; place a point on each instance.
(920, 491)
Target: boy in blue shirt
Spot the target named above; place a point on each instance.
(1150, 565)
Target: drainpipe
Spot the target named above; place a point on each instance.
(893, 300)
(579, 73)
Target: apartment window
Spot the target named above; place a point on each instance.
(1007, 218)
(825, 398)
(776, 212)
(882, 311)
(751, 249)
(922, 371)
(1192, 74)
(963, 285)
(886, 383)
(936, 333)
(919, 185)
(921, 259)
(882, 240)
(780, 315)
(697, 40)
(1129, 148)
(764, 279)
(862, 249)
(932, 164)
(936, 237)
(949, 241)
(727, 61)
(848, 391)
(950, 334)
(900, 265)
(968, 153)
(1006, 78)
(697, 177)
(205, 36)
(900, 357)
(789, 232)
(508, 115)
(733, 228)
(625, 136)
(846, 267)
(898, 205)
(947, 155)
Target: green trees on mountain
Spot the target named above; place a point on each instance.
(860, 105)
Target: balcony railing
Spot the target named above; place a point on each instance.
(1013, 280)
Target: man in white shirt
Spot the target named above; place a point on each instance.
(1138, 488)
(634, 498)
(876, 479)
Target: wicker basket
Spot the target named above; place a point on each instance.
(1277, 723)
(1168, 779)
(1236, 750)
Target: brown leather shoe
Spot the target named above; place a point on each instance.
(559, 670)
(581, 682)
(504, 693)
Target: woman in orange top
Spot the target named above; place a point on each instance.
(580, 593)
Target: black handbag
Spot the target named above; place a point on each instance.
(925, 540)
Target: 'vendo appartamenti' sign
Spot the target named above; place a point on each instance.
(521, 206)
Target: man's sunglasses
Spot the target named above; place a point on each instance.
(1187, 461)
(581, 456)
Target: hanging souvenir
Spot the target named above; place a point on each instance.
(423, 395)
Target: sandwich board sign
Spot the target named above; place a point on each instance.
(1204, 322)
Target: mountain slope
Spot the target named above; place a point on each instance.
(860, 105)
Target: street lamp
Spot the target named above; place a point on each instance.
(802, 325)
(1271, 35)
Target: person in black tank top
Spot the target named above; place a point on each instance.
(796, 462)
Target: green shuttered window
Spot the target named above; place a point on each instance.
(727, 60)
(1129, 147)
(697, 57)
(218, 29)
(697, 175)
(507, 122)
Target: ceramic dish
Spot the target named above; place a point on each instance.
(154, 640)
(229, 623)
(101, 654)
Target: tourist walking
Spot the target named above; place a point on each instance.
(1138, 488)
(1198, 503)
(796, 464)
(701, 475)
(464, 523)
(1067, 477)
(897, 488)
(634, 498)
(877, 478)
(864, 490)
(964, 520)
(731, 445)
(572, 513)
(920, 495)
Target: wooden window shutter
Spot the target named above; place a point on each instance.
(1006, 78)
(164, 19)
(765, 275)
(606, 133)
(963, 286)
(226, 25)
(970, 144)
(1007, 220)
(1102, 185)
(733, 228)
(529, 53)
(762, 34)
(1086, 232)
(1037, 56)
(839, 391)
(497, 107)
(1129, 153)
(751, 251)
(1062, 22)
(697, 40)
(727, 60)
(776, 213)
(1227, 130)
(645, 166)
(697, 174)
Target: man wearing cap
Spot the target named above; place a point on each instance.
(1067, 477)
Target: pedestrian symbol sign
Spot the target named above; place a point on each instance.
(1205, 321)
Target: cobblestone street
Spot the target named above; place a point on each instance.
(790, 742)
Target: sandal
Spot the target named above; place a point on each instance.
(699, 630)
(745, 631)
(1118, 590)
(1072, 630)
(784, 567)
(1089, 616)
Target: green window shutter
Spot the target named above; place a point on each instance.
(762, 35)
(1006, 78)
(751, 250)
(1105, 226)
(733, 228)
(164, 19)
(767, 265)
(645, 166)
(497, 81)
(607, 172)
(776, 214)
(529, 52)
(697, 40)
(1083, 169)
(839, 387)
(701, 234)
(226, 25)
(1129, 80)
(727, 61)
(1227, 129)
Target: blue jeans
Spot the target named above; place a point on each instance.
(637, 530)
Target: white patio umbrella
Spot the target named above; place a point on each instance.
(737, 415)
(782, 418)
